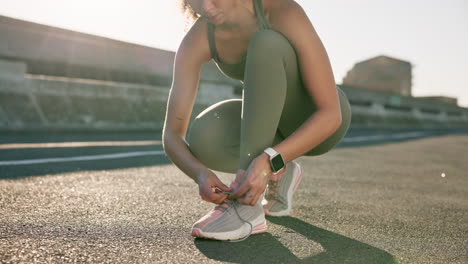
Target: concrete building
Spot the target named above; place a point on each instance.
(381, 73)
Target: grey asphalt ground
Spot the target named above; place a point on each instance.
(367, 202)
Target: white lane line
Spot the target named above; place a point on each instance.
(161, 152)
(80, 158)
(79, 144)
(381, 137)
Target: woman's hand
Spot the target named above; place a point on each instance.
(254, 181)
(211, 188)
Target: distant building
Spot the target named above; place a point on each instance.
(444, 99)
(381, 73)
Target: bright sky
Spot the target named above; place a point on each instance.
(431, 34)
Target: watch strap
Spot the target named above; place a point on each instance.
(271, 152)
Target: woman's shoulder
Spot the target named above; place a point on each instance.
(281, 12)
(276, 9)
(277, 5)
(195, 41)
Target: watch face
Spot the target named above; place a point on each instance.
(277, 163)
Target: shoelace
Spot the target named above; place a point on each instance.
(234, 205)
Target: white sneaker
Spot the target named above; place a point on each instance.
(231, 221)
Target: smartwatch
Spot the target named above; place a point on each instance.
(276, 160)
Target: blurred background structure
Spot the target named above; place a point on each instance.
(382, 73)
(53, 78)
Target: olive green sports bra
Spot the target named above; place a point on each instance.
(235, 70)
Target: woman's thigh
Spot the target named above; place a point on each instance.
(214, 136)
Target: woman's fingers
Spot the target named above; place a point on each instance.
(246, 194)
(220, 201)
(212, 189)
(255, 199)
(217, 198)
(207, 194)
(223, 187)
(250, 197)
(243, 188)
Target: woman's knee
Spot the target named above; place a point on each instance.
(214, 129)
(268, 43)
(211, 124)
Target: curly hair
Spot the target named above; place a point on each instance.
(190, 15)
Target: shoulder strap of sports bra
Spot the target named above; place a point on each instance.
(211, 41)
(260, 13)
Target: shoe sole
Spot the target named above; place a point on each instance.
(297, 177)
(259, 226)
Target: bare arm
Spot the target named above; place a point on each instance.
(190, 56)
(186, 76)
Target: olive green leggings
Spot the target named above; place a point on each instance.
(228, 135)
